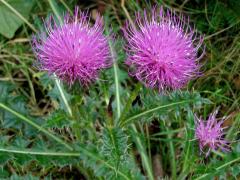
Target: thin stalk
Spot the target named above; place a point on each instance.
(36, 126)
(57, 81)
(55, 11)
(127, 14)
(148, 142)
(186, 158)
(172, 156)
(32, 91)
(66, 6)
(115, 67)
(221, 31)
(19, 15)
(145, 160)
(17, 151)
(189, 135)
(169, 132)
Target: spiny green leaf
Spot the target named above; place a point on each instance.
(217, 167)
(3, 173)
(96, 161)
(157, 105)
(114, 147)
(235, 170)
(57, 119)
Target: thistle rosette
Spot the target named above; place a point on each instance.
(72, 50)
(163, 51)
(210, 134)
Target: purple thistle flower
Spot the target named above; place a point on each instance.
(210, 134)
(163, 49)
(74, 50)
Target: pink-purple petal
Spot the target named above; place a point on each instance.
(162, 49)
(210, 134)
(74, 50)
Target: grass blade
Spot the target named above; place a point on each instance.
(54, 7)
(40, 153)
(172, 155)
(188, 156)
(143, 153)
(27, 120)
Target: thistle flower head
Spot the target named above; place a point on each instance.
(163, 49)
(72, 50)
(210, 134)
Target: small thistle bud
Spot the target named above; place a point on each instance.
(210, 134)
(73, 50)
(163, 49)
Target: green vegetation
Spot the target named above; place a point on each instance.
(116, 128)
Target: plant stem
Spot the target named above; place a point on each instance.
(172, 156)
(115, 67)
(188, 146)
(57, 81)
(145, 160)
